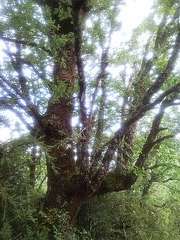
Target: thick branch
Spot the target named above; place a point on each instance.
(100, 128)
(165, 74)
(112, 147)
(164, 31)
(137, 114)
(151, 139)
(81, 75)
(100, 124)
(114, 142)
(115, 182)
(102, 75)
(124, 153)
(82, 89)
(163, 138)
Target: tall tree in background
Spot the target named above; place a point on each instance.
(51, 71)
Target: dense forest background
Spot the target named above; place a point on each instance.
(97, 154)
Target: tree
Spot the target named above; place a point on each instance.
(46, 79)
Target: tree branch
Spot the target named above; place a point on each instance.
(81, 75)
(33, 110)
(163, 138)
(12, 86)
(102, 74)
(139, 112)
(165, 74)
(84, 161)
(12, 40)
(41, 76)
(20, 116)
(100, 129)
(112, 145)
(100, 126)
(155, 129)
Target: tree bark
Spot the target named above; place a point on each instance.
(67, 188)
(57, 130)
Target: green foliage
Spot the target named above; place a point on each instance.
(164, 6)
(62, 90)
(127, 215)
(18, 200)
(21, 206)
(6, 231)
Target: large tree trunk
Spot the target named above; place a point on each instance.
(57, 132)
(66, 186)
(56, 123)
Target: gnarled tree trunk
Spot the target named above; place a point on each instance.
(66, 187)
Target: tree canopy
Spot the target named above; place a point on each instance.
(101, 114)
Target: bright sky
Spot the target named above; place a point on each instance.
(132, 14)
